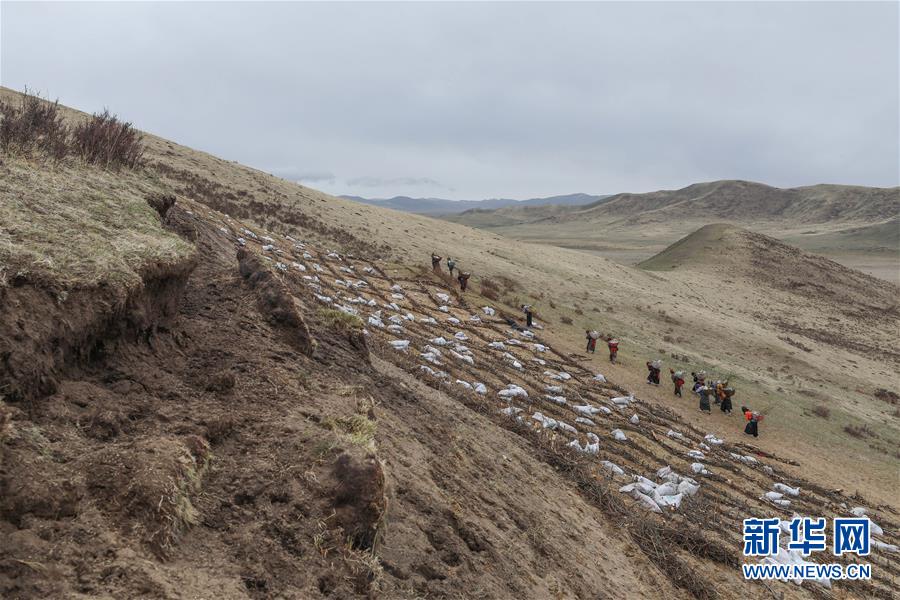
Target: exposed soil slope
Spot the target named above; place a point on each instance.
(214, 457)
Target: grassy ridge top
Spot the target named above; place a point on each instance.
(73, 199)
(70, 226)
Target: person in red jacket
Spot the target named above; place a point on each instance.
(613, 345)
(678, 380)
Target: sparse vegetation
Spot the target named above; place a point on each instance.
(364, 565)
(175, 510)
(107, 141)
(34, 436)
(795, 343)
(158, 480)
(357, 428)
(887, 396)
(565, 320)
(35, 127)
(508, 283)
(244, 204)
(490, 289)
(859, 431)
(220, 428)
(821, 411)
(339, 320)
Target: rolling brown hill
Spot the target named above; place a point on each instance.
(732, 200)
(780, 271)
(749, 201)
(726, 248)
(856, 226)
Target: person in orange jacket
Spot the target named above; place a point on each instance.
(753, 419)
(724, 392)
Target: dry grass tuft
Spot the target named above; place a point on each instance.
(358, 428)
(33, 126)
(107, 141)
(365, 568)
(887, 396)
(859, 431)
(490, 289)
(339, 320)
(821, 411)
(508, 283)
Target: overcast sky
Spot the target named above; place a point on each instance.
(469, 101)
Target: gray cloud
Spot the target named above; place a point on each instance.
(495, 99)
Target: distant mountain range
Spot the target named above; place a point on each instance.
(731, 200)
(747, 201)
(440, 206)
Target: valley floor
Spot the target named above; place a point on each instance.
(631, 245)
